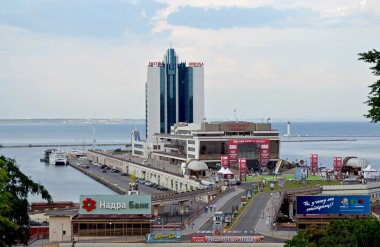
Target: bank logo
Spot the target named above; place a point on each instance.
(89, 204)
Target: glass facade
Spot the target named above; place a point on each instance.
(103, 229)
(162, 99)
(175, 99)
(171, 90)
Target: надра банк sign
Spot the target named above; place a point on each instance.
(115, 204)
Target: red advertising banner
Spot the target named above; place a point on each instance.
(314, 163)
(224, 161)
(233, 146)
(242, 169)
(338, 161)
(227, 239)
(198, 239)
(233, 152)
(264, 152)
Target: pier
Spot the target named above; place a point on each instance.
(320, 140)
(36, 145)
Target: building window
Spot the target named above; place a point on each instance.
(191, 149)
(138, 146)
(191, 142)
(191, 156)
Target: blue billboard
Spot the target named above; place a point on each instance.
(311, 205)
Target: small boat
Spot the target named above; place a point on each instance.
(57, 158)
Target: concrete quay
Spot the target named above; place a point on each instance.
(115, 187)
(166, 176)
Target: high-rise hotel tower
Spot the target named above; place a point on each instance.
(174, 92)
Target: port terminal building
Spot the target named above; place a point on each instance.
(208, 141)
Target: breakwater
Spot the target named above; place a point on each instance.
(321, 140)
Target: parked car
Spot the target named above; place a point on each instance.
(104, 170)
(114, 170)
(124, 174)
(162, 188)
(148, 183)
(350, 179)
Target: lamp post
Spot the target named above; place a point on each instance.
(110, 231)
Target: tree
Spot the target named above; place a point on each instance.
(374, 96)
(14, 189)
(340, 233)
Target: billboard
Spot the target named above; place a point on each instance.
(314, 205)
(115, 204)
(338, 164)
(242, 169)
(264, 151)
(224, 161)
(314, 163)
(227, 239)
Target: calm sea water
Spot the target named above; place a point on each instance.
(66, 183)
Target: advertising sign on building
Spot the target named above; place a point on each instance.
(156, 64)
(195, 64)
(115, 204)
(233, 152)
(314, 205)
(224, 161)
(314, 163)
(338, 164)
(242, 169)
(163, 237)
(227, 239)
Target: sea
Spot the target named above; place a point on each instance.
(327, 139)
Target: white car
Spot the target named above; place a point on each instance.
(350, 179)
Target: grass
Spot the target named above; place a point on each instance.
(311, 181)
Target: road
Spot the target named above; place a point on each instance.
(248, 220)
(227, 208)
(117, 179)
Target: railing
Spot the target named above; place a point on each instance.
(316, 188)
(276, 208)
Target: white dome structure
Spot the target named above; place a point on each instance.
(357, 163)
(197, 165)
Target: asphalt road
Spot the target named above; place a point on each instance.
(117, 179)
(227, 208)
(248, 220)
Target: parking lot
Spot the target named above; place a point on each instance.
(116, 178)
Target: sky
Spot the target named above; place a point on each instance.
(278, 59)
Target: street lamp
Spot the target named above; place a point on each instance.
(110, 231)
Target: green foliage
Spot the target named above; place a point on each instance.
(374, 96)
(340, 233)
(14, 189)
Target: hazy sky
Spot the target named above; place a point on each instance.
(283, 59)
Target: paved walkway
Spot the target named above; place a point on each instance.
(263, 226)
(204, 217)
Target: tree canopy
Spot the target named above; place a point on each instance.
(14, 189)
(342, 232)
(373, 101)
